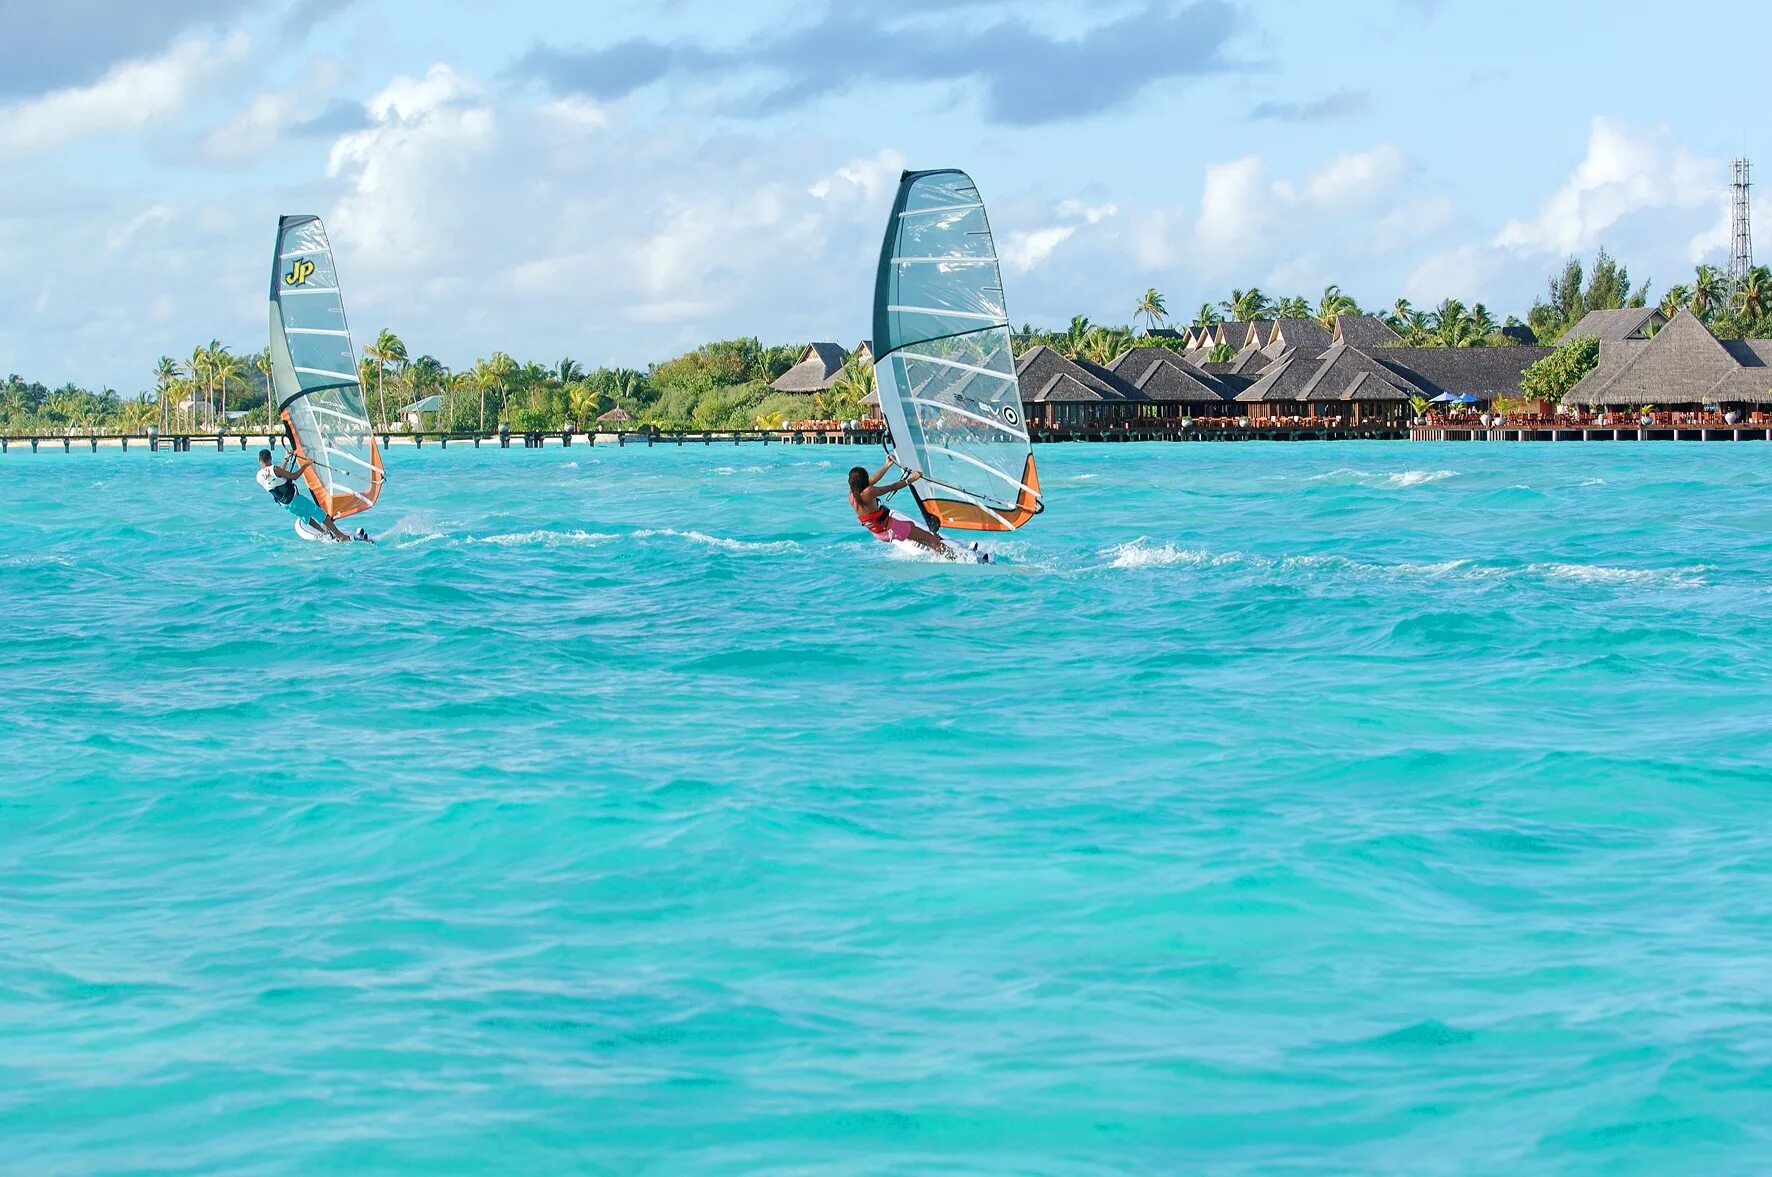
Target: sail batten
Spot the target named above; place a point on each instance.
(314, 373)
(944, 364)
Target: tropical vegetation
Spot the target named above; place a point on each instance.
(725, 384)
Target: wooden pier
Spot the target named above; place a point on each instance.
(184, 443)
(1577, 432)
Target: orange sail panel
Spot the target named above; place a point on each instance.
(944, 365)
(314, 373)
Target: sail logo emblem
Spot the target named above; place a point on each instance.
(1010, 415)
(299, 273)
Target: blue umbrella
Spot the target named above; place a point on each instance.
(1445, 398)
(1465, 398)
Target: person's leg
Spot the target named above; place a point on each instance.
(333, 531)
(932, 542)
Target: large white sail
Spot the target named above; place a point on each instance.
(943, 361)
(314, 373)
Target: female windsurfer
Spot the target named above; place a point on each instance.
(289, 496)
(864, 496)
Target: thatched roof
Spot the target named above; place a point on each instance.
(1347, 373)
(1158, 374)
(1483, 372)
(1045, 375)
(1683, 364)
(1289, 334)
(617, 415)
(1284, 380)
(816, 371)
(1239, 335)
(1630, 323)
(1365, 331)
(1519, 333)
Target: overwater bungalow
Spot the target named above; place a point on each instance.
(1682, 368)
(1486, 373)
(1166, 387)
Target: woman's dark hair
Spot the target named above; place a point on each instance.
(858, 479)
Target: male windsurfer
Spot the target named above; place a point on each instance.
(292, 498)
(864, 496)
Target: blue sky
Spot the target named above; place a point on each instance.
(618, 181)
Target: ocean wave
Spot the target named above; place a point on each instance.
(1692, 576)
(1141, 553)
(1399, 480)
(724, 543)
(544, 538)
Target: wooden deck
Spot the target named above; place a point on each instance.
(223, 442)
(1591, 433)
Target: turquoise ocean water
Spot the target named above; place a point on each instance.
(1270, 810)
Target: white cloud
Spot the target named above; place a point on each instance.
(1022, 250)
(1621, 175)
(1413, 223)
(256, 128)
(131, 97)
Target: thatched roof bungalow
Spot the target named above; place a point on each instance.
(1365, 332)
(1683, 366)
(1632, 323)
(1292, 334)
(816, 371)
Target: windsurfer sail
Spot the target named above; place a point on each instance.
(943, 362)
(314, 373)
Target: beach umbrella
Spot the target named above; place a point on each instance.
(1465, 398)
(1445, 398)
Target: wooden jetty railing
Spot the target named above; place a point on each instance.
(503, 439)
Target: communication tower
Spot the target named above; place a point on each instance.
(1741, 252)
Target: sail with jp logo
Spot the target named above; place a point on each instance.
(314, 375)
(943, 361)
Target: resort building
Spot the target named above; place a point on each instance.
(1332, 382)
(819, 367)
(1634, 324)
(1291, 334)
(1681, 368)
(1365, 332)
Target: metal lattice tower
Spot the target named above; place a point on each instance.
(1741, 252)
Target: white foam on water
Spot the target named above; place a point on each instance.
(1690, 577)
(545, 538)
(1141, 553)
(1399, 480)
(722, 542)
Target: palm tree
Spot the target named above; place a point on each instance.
(1483, 324)
(165, 372)
(1206, 316)
(1224, 353)
(1292, 308)
(386, 350)
(1103, 344)
(1708, 291)
(1245, 306)
(1333, 305)
(1677, 297)
(569, 371)
(1418, 329)
(504, 371)
(195, 370)
(1754, 296)
(218, 357)
(225, 367)
(1071, 342)
(1152, 308)
(261, 363)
